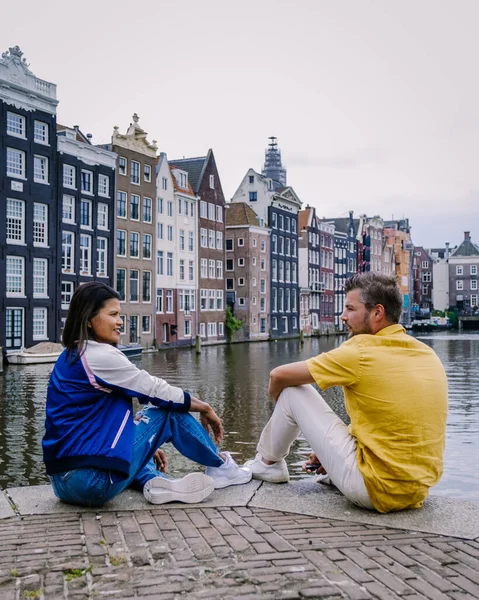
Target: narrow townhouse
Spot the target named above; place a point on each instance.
(277, 206)
(424, 283)
(135, 231)
(326, 305)
(247, 271)
(86, 195)
(203, 177)
(399, 236)
(28, 196)
(370, 243)
(440, 276)
(463, 276)
(310, 284)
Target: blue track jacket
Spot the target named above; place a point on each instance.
(89, 412)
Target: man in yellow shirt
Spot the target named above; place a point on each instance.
(395, 392)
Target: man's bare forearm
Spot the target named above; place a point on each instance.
(288, 375)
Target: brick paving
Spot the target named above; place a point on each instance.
(227, 553)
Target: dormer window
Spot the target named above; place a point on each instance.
(183, 180)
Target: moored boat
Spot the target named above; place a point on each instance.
(44, 352)
(131, 349)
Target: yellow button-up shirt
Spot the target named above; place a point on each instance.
(395, 391)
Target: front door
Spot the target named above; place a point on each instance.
(14, 329)
(164, 329)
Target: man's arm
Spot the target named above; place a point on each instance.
(288, 375)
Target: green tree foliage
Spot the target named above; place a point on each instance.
(232, 324)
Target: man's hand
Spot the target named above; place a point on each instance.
(161, 461)
(286, 376)
(313, 461)
(208, 418)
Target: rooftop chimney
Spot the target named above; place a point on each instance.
(467, 236)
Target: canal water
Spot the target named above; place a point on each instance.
(234, 379)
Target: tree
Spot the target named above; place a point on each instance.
(232, 324)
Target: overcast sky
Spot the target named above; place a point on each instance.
(375, 103)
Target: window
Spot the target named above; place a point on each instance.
(293, 248)
(67, 293)
(459, 284)
(40, 224)
(219, 269)
(146, 286)
(203, 299)
(251, 178)
(40, 324)
(263, 264)
(229, 245)
(121, 205)
(274, 322)
(281, 222)
(122, 165)
(182, 239)
(211, 211)
(182, 269)
(121, 242)
(281, 244)
(159, 230)
(253, 282)
(40, 279)
(219, 240)
(241, 280)
(229, 264)
(230, 284)
(459, 270)
(219, 214)
(15, 224)
(40, 132)
(274, 270)
(169, 301)
(212, 329)
(147, 173)
(68, 251)
(69, 176)
(241, 301)
(204, 268)
(159, 262)
(164, 183)
(219, 299)
(240, 241)
(211, 271)
(85, 213)
(169, 208)
(427, 277)
(169, 233)
(253, 196)
(16, 125)
(134, 244)
(203, 209)
(473, 284)
(87, 182)
(240, 262)
(254, 300)
(15, 280)
(135, 207)
(474, 301)
(134, 282)
(255, 242)
(121, 283)
(146, 246)
(211, 299)
(103, 185)
(101, 256)
(293, 226)
(102, 216)
(169, 264)
(180, 203)
(159, 207)
(203, 238)
(212, 182)
(135, 172)
(146, 324)
(159, 300)
(190, 241)
(202, 329)
(147, 203)
(191, 270)
(15, 163)
(425, 264)
(211, 238)
(262, 286)
(473, 270)
(286, 224)
(85, 254)
(187, 327)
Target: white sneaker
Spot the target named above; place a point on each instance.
(191, 488)
(276, 473)
(229, 473)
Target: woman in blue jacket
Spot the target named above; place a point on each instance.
(93, 446)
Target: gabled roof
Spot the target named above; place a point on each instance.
(195, 168)
(467, 247)
(239, 213)
(341, 224)
(303, 218)
(79, 135)
(177, 188)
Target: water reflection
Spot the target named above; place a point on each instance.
(234, 380)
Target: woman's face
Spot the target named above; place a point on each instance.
(107, 323)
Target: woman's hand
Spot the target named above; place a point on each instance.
(161, 461)
(208, 418)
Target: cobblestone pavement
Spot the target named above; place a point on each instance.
(227, 553)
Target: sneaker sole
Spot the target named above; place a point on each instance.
(220, 483)
(268, 479)
(190, 489)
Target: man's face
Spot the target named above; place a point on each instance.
(355, 315)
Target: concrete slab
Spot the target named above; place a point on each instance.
(6, 509)
(444, 516)
(40, 500)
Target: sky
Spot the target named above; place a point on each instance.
(375, 103)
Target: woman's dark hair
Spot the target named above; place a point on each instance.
(376, 288)
(87, 301)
